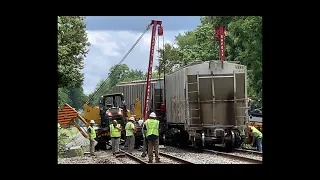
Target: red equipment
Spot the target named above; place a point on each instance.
(153, 23)
(219, 34)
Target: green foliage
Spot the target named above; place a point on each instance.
(72, 43)
(155, 75)
(62, 97)
(65, 136)
(62, 139)
(77, 98)
(74, 97)
(118, 73)
(243, 43)
(133, 75)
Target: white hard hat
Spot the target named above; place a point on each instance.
(92, 122)
(140, 122)
(131, 118)
(153, 115)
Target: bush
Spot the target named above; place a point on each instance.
(62, 139)
(65, 136)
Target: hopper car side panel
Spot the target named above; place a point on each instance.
(207, 101)
(133, 91)
(175, 98)
(136, 90)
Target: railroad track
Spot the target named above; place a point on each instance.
(177, 159)
(134, 158)
(248, 152)
(234, 156)
(164, 158)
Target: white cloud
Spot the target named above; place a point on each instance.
(108, 48)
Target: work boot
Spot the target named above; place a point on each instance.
(150, 161)
(143, 155)
(158, 160)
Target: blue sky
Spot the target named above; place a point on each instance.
(112, 36)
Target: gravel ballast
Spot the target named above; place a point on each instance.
(248, 155)
(201, 158)
(106, 157)
(164, 160)
(102, 157)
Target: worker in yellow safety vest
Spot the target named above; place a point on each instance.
(115, 133)
(257, 137)
(92, 135)
(152, 134)
(130, 129)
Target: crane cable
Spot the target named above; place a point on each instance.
(125, 56)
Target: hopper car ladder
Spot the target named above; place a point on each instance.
(195, 101)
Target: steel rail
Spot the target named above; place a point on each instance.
(229, 155)
(134, 158)
(175, 158)
(248, 151)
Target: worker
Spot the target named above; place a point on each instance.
(257, 137)
(92, 136)
(242, 135)
(144, 148)
(115, 133)
(130, 128)
(152, 128)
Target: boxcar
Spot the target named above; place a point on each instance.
(205, 103)
(136, 90)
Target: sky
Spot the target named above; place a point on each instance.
(112, 36)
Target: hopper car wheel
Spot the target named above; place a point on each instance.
(183, 139)
(197, 145)
(234, 141)
(175, 139)
(164, 139)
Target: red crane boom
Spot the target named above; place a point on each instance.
(154, 24)
(219, 35)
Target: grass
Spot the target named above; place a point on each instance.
(71, 133)
(65, 136)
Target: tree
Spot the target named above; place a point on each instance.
(133, 75)
(247, 37)
(244, 44)
(72, 43)
(156, 75)
(62, 97)
(117, 73)
(77, 98)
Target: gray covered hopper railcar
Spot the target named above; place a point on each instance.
(206, 102)
(136, 90)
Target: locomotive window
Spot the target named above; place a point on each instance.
(113, 101)
(108, 102)
(118, 101)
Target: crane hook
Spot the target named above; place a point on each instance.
(160, 30)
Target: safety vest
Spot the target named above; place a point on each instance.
(114, 132)
(129, 129)
(152, 126)
(255, 130)
(93, 132)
